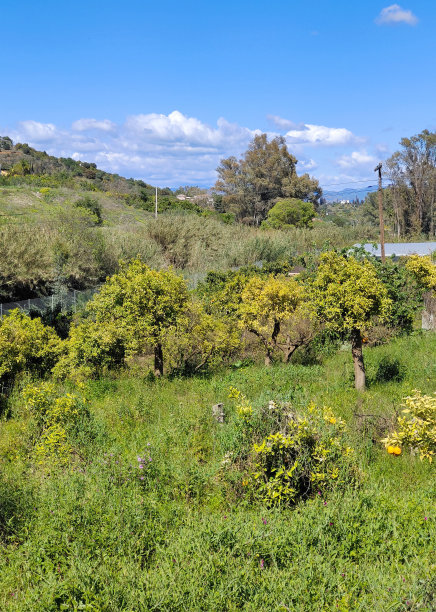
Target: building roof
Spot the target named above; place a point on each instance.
(400, 249)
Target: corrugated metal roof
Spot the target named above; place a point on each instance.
(401, 248)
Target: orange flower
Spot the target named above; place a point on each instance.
(394, 450)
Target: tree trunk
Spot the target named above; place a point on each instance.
(158, 360)
(359, 366)
(290, 350)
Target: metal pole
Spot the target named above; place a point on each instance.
(155, 206)
(380, 213)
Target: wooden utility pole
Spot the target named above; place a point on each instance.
(155, 206)
(380, 212)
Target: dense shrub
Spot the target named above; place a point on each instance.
(290, 213)
(26, 344)
(91, 205)
(310, 454)
(54, 415)
(390, 369)
(90, 350)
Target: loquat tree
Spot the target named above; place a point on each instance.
(347, 295)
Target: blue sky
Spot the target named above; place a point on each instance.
(162, 91)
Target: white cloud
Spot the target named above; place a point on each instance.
(284, 124)
(357, 158)
(308, 164)
(185, 131)
(394, 14)
(170, 149)
(82, 125)
(38, 132)
(320, 135)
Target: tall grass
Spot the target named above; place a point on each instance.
(180, 534)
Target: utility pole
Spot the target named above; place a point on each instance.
(380, 212)
(155, 206)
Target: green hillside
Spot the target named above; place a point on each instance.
(50, 234)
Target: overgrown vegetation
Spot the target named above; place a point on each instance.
(156, 507)
(147, 459)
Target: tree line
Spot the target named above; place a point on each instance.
(144, 314)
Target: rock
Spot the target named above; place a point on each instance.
(218, 412)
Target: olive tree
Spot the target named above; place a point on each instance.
(347, 295)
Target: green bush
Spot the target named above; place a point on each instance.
(290, 213)
(92, 206)
(390, 369)
(309, 455)
(90, 350)
(26, 345)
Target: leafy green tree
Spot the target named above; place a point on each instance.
(412, 171)
(267, 171)
(272, 309)
(143, 303)
(290, 213)
(347, 295)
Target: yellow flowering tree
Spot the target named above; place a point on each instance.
(274, 309)
(347, 295)
(143, 304)
(424, 271)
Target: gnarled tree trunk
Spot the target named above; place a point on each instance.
(359, 366)
(158, 360)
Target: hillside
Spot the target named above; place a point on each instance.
(82, 221)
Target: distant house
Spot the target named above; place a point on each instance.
(344, 202)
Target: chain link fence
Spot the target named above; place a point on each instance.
(63, 300)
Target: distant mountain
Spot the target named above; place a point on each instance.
(349, 194)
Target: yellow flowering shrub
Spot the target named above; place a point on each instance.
(54, 414)
(423, 269)
(53, 447)
(309, 455)
(243, 406)
(416, 427)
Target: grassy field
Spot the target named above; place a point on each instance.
(181, 533)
